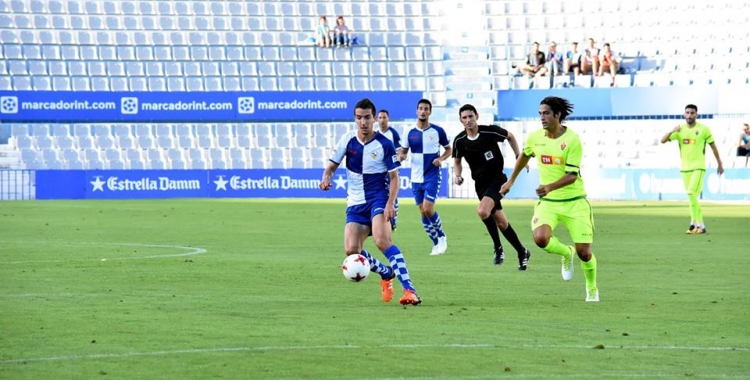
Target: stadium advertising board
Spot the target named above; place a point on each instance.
(155, 184)
(237, 107)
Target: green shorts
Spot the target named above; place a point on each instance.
(693, 181)
(576, 215)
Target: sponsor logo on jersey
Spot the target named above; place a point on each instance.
(688, 141)
(552, 160)
(488, 155)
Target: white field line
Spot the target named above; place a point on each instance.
(345, 347)
(191, 251)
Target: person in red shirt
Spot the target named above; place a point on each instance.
(608, 61)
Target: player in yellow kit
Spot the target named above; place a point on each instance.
(562, 198)
(693, 137)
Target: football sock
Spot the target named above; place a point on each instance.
(437, 224)
(376, 266)
(430, 229)
(557, 248)
(399, 266)
(512, 237)
(589, 271)
(489, 222)
(695, 209)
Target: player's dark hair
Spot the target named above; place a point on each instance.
(386, 112)
(467, 107)
(692, 106)
(365, 104)
(424, 101)
(558, 105)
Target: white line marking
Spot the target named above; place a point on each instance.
(191, 251)
(343, 347)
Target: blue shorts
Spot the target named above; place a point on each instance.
(364, 213)
(425, 190)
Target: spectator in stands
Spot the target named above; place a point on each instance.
(341, 33)
(554, 60)
(743, 145)
(692, 138)
(573, 60)
(534, 62)
(608, 61)
(590, 58)
(323, 33)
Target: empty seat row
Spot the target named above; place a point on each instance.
(307, 23)
(44, 132)
(204, 38)
(221, 8)
(176, 158)
(216, 53)
(224, 83)
(39, 68)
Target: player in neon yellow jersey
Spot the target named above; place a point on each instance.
(562, 198)
(693, 137)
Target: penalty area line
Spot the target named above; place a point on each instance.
(192, 251)
(344, 347)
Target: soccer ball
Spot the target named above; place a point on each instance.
(355, 268)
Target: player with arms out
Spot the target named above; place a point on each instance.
(562, 198)
(478, 144)
(372, 187)
(385, 129)
(425, 141)
(692, 138)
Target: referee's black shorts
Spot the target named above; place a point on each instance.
(491, 190)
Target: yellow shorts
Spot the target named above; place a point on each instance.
(576, 215)
(693, 181)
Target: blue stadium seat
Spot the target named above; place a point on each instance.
(250, 84)
(305, 84)
(64, 142)
(360, 83)
(21, 83)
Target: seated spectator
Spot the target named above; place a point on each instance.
(323, 33)
(590, 58)
(743, 145)
(554, 60)
(534, 62)
(573, 60)
(608, 61)
(341, 33)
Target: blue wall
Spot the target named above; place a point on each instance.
(627, 102)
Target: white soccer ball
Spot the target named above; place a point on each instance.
(355, 268)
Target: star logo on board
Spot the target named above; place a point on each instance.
(340, 182)
(98, 184)
(221, 183)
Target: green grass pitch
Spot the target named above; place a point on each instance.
(252, 289)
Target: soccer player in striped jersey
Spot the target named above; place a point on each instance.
(372, 187)
(693, 138)
(562, 197)
(385, 130)
(425, 141)
(478, 144)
